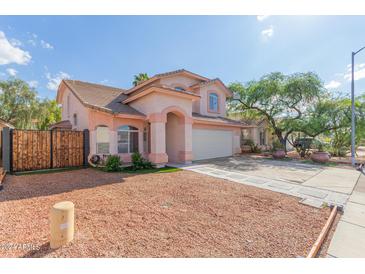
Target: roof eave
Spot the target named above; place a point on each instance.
(159, 90)
(218, 123)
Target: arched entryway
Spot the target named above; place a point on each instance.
(175, 137)
(170, 136)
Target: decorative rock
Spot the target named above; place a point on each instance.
(278, 154)
(320, 157)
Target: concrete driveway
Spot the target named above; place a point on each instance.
(315, 184)
(336, 179)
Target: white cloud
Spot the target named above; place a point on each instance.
(12, 54)
(12, 72)
(262, 17)
(46, 45)
(267, 33)
(33, 83)
(359, 72)
(32, 42)
(33, 39)
(15, 42)
(332, 84)
(55, 80)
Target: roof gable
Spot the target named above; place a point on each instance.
(156, 77)
(216, 82)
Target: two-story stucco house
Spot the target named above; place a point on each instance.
(177, 116)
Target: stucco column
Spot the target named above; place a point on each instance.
(186, 155)
(113, 142)
(158, 154)
(237, 141)
(92, 142)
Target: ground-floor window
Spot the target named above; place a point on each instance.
(127, 139)
(102, 140)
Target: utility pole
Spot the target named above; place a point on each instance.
(353, 118)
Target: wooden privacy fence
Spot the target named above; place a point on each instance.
(46, 149)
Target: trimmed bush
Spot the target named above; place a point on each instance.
(113, 163)
(138, 162)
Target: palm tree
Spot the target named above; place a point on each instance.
(141, 77)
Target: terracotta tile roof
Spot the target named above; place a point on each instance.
(65, 124)
(159, 75)
(218, 119)
(101, 97)
(212, 81)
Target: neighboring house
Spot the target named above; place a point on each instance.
(259, 133)
(177, 116)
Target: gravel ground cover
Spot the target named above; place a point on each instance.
(180, 214)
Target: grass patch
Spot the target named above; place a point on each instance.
(318, 164)
(46, 171)
(152, 170)
(129, 170)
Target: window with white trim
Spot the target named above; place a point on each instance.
(102, 140)
(127, 139)
(213, 102)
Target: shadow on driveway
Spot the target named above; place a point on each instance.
(18, 187)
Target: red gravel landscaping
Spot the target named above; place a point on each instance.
(179, 214)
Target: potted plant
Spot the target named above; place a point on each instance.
(320, 156)
(278, 151)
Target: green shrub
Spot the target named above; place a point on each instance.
(248, 142)
(255, 149)
(113, 163)
(277, 145)
(138, 162)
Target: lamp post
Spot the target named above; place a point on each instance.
(353, 161)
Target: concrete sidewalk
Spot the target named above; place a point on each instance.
(349, 238)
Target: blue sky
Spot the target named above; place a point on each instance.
(111, 49)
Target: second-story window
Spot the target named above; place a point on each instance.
(213, 102)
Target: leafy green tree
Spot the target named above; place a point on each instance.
(20, 106)
(18, 103)
(282, 99)
(139, 78)
(340, 135)
(49, 113)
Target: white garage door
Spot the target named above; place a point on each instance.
(211, 144)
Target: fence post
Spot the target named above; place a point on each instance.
(7, 149)
(51, 147)
(86, 146)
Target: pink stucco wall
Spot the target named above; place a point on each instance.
(175, 139)
(204, 101)
(74, 107)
